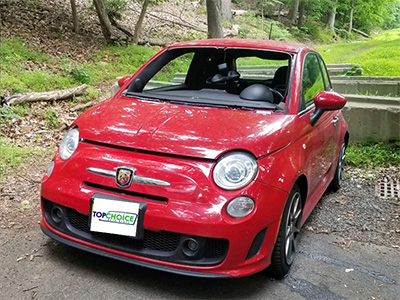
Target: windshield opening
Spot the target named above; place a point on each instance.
(234, 78)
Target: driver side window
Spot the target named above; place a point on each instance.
(173, 73)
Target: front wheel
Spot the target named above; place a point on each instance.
(286, 242)
(339, 173)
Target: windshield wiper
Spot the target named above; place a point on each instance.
(140, 96)
(193, 103)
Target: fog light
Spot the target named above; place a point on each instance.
(193, 245)
(57, 214)
(240, 207)
(190, 247)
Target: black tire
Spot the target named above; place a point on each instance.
(289, 229)
(339, 172)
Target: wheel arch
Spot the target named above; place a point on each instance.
(303, 185)
(346, 138)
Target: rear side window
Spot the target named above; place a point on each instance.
(312, 81)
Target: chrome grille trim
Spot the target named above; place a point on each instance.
(103, 172)
(136, 178)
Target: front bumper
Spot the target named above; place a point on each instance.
(121, 257)
(192, 207)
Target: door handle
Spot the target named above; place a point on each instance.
(335, 120)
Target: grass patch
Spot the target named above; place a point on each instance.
(376, 56)
(12, 156)
(373, 154)
(51, 119)
(104, 66)
(116, 61)
(15, 78)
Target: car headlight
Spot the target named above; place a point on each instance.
(69, 143)
(235, 170)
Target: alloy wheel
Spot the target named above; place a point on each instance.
(292, 227)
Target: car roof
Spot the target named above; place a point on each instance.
(244, 43)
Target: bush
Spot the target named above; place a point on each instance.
(373, 154)
(317, 33)
(80, 74)
(115, 8)
(51, 118)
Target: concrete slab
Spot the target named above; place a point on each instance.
(363, 87)
(365, 78)
(379, 122)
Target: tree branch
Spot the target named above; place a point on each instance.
(175, 22)
(120, 27)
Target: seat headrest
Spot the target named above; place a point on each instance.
(257, 92)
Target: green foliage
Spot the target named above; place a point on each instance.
(116, 61)
(392, 17)
(314, 31)
(191, 35)
(91, 94)
(179, 65)
(7, 113)
(369, 14)
(376, 56)
(13, 112)
(115, 8)
(373, 154)
(80, 74)
(11, 156)
(356, 70)
(15, 78)
(104, 66)
(51, 118)
(76, 71)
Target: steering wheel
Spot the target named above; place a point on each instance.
(276, 92)
(280, 89)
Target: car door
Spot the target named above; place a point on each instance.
(319, 142)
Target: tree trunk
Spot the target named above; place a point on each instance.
(104, 20)
(74, 16)
(226, 12)
(331, 19)
(214, 19)
(351, 15)
(302, 6)
(293, 11)
(138, 27)
(46, 96)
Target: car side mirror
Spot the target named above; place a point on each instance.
(326, 100)
(123, 80)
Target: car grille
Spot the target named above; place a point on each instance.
(160, 245)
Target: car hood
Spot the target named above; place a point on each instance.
(201, 132)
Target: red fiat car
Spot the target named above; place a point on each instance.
(206, 162)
